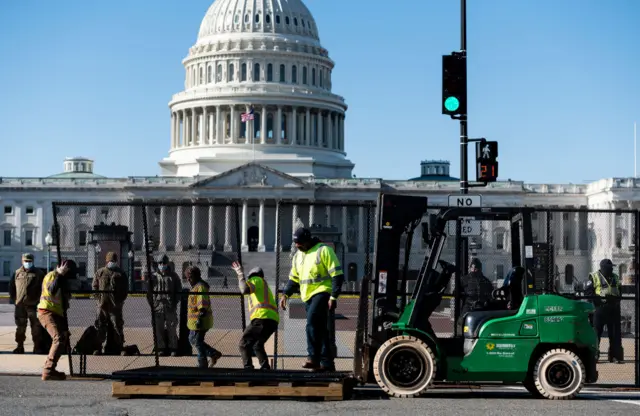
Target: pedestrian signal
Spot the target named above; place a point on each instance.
(486, 161)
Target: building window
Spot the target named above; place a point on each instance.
(83, 210)
(28, 238)
(243, 72)
(6, 238)
(304, 75)
(568, 274)
(230, 73)
(500, 240)
(6, 268)
(209, 74)
(294, 74)
(282, 73)
(277, 19)
(82, 269)
(256, 72)
(82, 238)
(321, 80)
(8, 209)
(269, 73)
(219, 73)
(286, 19)
(313, 77)
(267, 18)
(499, 271)
(29, 210)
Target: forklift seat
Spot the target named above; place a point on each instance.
(473, 321)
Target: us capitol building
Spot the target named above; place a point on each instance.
(266, 57)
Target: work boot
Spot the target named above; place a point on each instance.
(53, 375)
(174, 353)
(328, 368)
(19, 349)
(214, 358)
(311, 365)
(164, 353)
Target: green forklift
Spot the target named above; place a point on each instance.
(525, 334)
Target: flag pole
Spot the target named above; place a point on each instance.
(635, 152)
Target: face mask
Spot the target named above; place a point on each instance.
(27, 264)
(162, 267)
(111, 265)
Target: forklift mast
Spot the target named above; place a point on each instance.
(399, 214)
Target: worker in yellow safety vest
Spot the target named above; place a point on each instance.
(317, 274)
(263, 316)
(54, 301)
(200, 317)
(605, 285)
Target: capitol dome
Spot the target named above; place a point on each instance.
(258, 87)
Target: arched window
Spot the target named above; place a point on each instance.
(294, 74)
(321, 80)
(304, 75)
(286, 19)
(256, 72)
(282, 73)
(270, 73)
(219, 73)
(277, 19)
(246, 18)
(270, 126)
(257, 125)
(243, 72)
(230, 76)
(283, 128)
(209, 74)
(201, 77)
(568, 274)
(313, 77)
(267, 19)
(257, 17)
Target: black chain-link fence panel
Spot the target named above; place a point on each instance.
(348, 228)
(153, 317)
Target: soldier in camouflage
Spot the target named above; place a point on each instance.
(111, 282)
(166, 287)
(24, 291)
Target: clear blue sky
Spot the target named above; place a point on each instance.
(554, 81)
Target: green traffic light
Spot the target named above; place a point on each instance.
(451, 104)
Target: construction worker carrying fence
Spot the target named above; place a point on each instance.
(264, 316)
(200, 317)
(54, 301)
(317, 274)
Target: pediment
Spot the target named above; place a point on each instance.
(252, 175)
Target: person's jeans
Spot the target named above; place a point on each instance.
(254, 337)
(204, 350)
(321, 346)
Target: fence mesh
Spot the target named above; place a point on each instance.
(568, 246)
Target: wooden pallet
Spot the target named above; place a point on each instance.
(231, 390)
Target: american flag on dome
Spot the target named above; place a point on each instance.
(247, 116)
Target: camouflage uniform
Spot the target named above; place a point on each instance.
(114, 287)
(24, 291)
(165, 305)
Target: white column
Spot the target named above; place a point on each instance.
(576, 232)
(183, 118)
(163, 230)
(234, 131)
(227, 229)
(194, 131)
(179, 214)
(211, 242)
(312, 215)
(248, 130)
(307, 133)
(194, 226)
(275, 231)
(293, 136)
(205, 127)
(278, 127)
(336, 131)
(320, 128)
(173, 130)
(263, 125)
(219, 131)
(327, 214)
(261, 246)
(243, 230)
(344, 229)
(330, 144)
(361, 247)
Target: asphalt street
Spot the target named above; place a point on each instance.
(31, 396)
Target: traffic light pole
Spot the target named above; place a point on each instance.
(462, 242)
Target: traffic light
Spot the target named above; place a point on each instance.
(454, 84)
(486, 161)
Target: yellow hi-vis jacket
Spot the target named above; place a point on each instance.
(314, 270)
(262, 304)
(603, 287)
(51, 301)
(199, 301)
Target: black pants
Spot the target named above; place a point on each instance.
(321, 331)
(254, 337)
(609, 314)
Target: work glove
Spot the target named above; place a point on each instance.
(237, 267)
(199, 323)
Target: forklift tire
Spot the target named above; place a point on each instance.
(559, 374)
(404, 367)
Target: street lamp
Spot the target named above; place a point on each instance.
(48, 241)
(131, 254)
